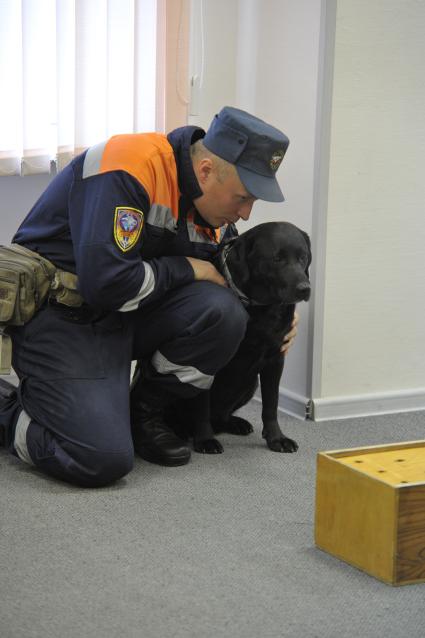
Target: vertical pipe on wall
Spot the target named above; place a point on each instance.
(320, 194)
(161, 57)
(177, 64)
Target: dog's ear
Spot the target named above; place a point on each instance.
(308, 242)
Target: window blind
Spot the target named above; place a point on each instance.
(73, 73)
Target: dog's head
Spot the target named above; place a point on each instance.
(269, 263)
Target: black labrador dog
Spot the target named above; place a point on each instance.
(267, 267)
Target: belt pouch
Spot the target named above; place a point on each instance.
(5, 353)
(25, 280)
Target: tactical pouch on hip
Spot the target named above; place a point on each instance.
(5, 353)
(64, 289)
(26, 279)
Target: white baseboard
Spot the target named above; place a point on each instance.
(347, 407)
(293, 404)
(367, 404)
(290, 403)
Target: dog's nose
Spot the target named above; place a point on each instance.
(303, 291)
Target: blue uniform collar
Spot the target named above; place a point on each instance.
(181, 140)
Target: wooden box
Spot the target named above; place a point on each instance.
(370, 509)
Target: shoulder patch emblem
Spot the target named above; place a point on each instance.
(128, 224)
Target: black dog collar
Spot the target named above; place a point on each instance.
(224, 253)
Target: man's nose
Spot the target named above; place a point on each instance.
(245, 210)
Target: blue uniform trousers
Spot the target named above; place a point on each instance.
(70, 417)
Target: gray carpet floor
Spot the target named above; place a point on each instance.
(222, 547)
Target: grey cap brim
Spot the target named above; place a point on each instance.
(261, 186)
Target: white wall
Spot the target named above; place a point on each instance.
(213, 51)
(286, 96)
(353, 176)
(274, 76)
(374, 303)
(17, 196)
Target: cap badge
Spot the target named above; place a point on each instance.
(276, 159)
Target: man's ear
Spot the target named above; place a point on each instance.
(203, 170)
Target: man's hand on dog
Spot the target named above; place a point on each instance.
(206, 271)
(290, 337)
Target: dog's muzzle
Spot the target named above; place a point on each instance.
(303, 291)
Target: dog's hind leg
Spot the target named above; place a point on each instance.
(270, 378)
(226, 399)
(233, 425)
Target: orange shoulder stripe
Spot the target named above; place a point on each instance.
(149, 158)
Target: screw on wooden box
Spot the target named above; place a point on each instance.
(370, 509)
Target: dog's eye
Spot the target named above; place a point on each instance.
(279, 258)
(303, 260)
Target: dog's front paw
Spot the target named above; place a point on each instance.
(235, 425)
(282, 444)
(208, 446)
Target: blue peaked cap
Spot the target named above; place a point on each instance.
(253, 146)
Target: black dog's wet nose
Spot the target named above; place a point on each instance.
(303, 291)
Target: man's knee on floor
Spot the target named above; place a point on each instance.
(93, 470)
(84, 463)
(83, 466)
(105, 468)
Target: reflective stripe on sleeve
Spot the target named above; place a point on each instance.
(20, 442)
(146, 289)
(185, 374)
(161, 217)
(92, 160)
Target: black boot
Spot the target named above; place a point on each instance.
(153, 439)
(7, 395)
